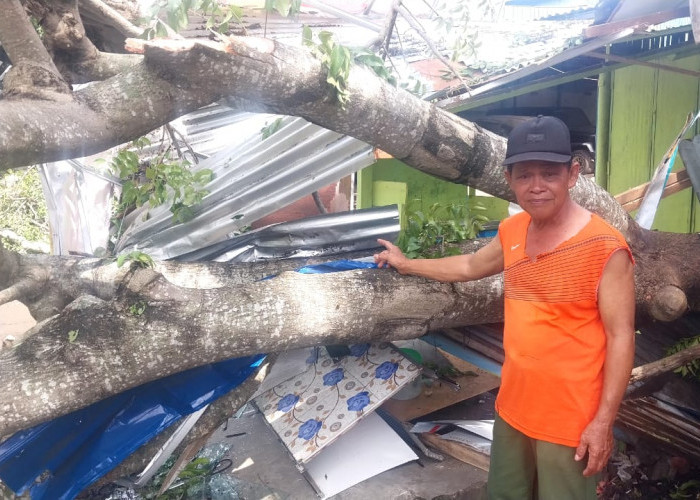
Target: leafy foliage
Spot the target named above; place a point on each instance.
(689, 489)
(192, 481)
(284, 7)
(270, 129)
(22, 207)
(139, 258)
(335, 58)
(37, 26)
(452, 23)
(434, 233)
(137, 308)
(369, 59)
(692, 368)
(338, 59)
(219, 15)
(157, 181)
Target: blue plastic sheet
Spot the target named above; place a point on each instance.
(79, 448)
(335, 266)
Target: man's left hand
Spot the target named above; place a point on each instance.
(597, 440)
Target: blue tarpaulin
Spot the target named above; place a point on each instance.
(80, 447)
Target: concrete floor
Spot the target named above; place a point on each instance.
(262, 468)
(14, 319)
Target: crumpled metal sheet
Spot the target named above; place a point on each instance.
(253, 178)
(322, 235)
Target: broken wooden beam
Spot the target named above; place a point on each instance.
(632, 198)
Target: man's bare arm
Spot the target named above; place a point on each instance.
(616, 305)
(487, 261)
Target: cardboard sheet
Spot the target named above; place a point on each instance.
(368, 449)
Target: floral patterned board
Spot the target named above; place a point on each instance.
(312, 409)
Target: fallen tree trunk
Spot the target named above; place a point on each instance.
(98, 347)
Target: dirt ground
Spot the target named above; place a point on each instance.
(14, 321)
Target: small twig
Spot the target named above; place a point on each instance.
(437, 14)
(419, 29)
(390, 29)
(384, 37)
(665, 364)
(265, 25)
(319, 203)
(391, 61)
(187, 145)
(173, 139)
(368, 9)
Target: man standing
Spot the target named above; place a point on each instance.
(569, 323)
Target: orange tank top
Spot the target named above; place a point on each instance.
(554, 338)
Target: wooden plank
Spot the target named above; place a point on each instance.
(441, 395)
(457, 450)
(632, 198)
(493, 352)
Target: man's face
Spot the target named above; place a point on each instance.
(542, 188)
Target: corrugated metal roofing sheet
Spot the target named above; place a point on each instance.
(253, 178)
(632, 9)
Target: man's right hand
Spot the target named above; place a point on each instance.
(391, 257)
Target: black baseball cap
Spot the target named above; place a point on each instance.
(545, 138)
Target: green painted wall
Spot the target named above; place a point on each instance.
(390, 181)
(422, 190)
(648, 108)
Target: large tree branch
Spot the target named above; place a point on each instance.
(98, 117)
(101, 66)
(33, 73)
(181, 328)
(112, 17)
(191, 323)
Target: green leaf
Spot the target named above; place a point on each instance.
(73, 335)
(326, 38)
(182, 213)
(270, 129)
(283, 7)
(306, 35)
